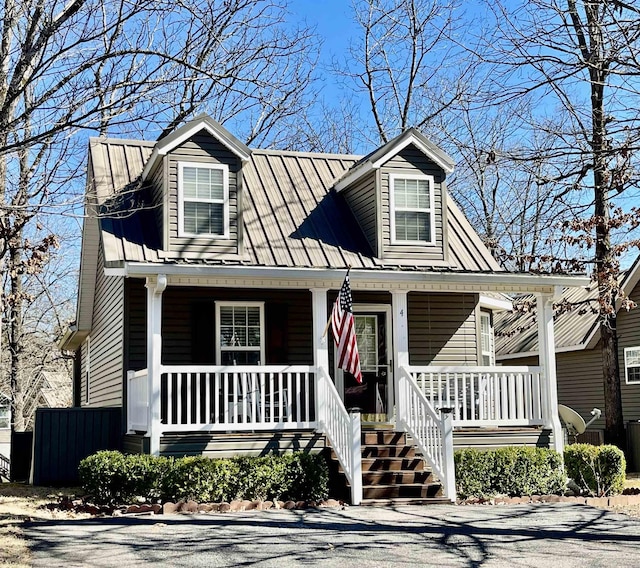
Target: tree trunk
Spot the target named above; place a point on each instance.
(15, 343)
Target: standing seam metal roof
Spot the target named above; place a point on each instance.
(292, 215)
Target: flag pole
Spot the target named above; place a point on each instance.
(326, 327)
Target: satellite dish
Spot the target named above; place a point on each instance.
(573, 422)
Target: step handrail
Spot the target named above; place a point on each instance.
(5, 466)
(343, 432)
(432, 434)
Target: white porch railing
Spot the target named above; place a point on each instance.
(239, 398)
(433, 434)
(137, 401)
(343, 432)
(484, 396)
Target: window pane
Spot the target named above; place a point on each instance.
(4, 417)
(413, 226)
(240, 316)
(217, 184)
(423, 194)
(633, 374)
(189, 176)
(203, 218)
(240, 358)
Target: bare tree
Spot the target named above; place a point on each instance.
(580, 59)
(68, 69)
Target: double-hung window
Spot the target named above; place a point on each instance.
(240, 333)
(412, 208)
(486, 340)
(5, 413)
(203, 200)
(632, 364)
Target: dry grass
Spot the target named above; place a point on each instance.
(19, 503)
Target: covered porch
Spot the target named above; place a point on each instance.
(425, 401)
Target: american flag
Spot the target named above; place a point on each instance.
(344, 331)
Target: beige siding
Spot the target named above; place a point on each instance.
(412, 161)
(106, 342)
(629, 336)
(5, 436)
(579, 376)
(442, 329)
(362, 199)
(205, 149)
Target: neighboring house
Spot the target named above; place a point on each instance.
(209, 271)
(578, 349)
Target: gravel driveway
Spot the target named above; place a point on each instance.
(557, 535)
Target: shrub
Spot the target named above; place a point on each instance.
(512, 471)
(597, 470)
(112, 477)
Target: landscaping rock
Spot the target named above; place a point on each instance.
(169, 508)
(224, 507)
(188, 507)
(289, 505)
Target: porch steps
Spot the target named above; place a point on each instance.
(392, 473)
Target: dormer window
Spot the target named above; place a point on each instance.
(203, 200)
(412, 209)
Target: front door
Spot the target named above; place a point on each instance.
(372, 396)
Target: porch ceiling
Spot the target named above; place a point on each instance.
(381, 280)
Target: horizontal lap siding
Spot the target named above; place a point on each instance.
(412, 161)
(157, 196)
(178, 334)
(629, 336)
(442, 329)
(106, 345)
(361, 198)
(579, 379)
(207, 150)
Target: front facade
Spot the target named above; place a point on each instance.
(208, 275)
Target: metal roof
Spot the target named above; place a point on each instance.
(292, 215)
(517, 332)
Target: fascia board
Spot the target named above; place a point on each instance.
(182, 134)
(545, 284)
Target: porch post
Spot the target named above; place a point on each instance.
(155, 288)
(547, 357)
(320, 347)
(400, 343)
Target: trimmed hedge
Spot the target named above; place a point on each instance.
(596, 470)
(513, 471)
(112, 477)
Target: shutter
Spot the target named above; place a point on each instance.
(203, 335)
(276, 316)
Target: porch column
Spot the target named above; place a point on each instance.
(320, 346)
(400, 341)
(155, 288)
(547, 357)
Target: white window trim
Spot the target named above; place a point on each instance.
(225, 199)
(492, 350)
(626, 366)
(244, 349)
(431, 210)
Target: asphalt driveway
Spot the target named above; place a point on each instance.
(558, 535)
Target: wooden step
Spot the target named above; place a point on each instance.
(396, 477)
(400, 501)
(379, 437)
(388, 451)
(412, 490)
(392, 464)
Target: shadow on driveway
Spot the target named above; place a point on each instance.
(556, 535)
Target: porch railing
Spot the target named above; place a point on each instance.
(484, 396)
(433, 434)
(238, 398)
(137, 401)
(342, 431)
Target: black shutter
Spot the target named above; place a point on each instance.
(276, 331)
(203, 335)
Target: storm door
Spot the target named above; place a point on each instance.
(372, 396)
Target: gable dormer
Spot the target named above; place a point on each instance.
(195, 174)
(399, 197)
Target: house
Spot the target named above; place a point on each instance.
(208, 273)
(578, 350)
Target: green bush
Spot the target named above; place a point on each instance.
(112, 477)
(597, 470)
(513, 471)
